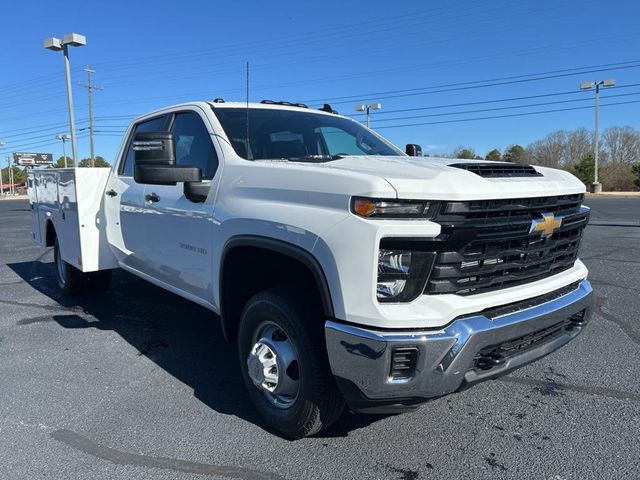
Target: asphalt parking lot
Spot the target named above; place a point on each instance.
(140, 384)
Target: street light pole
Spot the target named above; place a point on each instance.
(10, 168)
(1, 182)
(597, 141)
(55, 44)
(72, 125)
(2, 144)
(367, 109)
(63, 138)
(596, 187)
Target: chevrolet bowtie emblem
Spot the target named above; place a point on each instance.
(547, 225)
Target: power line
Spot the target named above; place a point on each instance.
(477, 84)
(505, 116)
(510, 107)
(30, 145)
(340, 33)
(324, 39)
(332, 55)
(483, 102)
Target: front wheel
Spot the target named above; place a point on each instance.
(284, 364)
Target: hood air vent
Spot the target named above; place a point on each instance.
(496, 170)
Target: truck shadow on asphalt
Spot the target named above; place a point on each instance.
(182, 338)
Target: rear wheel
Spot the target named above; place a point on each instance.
(284, 364)
(74, 282)
(69, 278)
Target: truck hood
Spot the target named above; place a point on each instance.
(433, 178)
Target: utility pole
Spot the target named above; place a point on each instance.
(596, 187)
(90, 87)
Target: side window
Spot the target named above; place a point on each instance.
(193, 144)
(153, 125)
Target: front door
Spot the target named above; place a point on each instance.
(178, 231)
(124, 202)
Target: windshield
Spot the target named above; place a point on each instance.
(297, 135)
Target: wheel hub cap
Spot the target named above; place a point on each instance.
(263, 367)
(272, 365)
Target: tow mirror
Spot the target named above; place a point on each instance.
(413, 150)
(155, 161)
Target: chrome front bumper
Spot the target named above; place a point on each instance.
(447, 359)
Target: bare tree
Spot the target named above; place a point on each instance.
(578, 146)
(621, 145)
(550, 151)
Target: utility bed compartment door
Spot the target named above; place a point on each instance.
(36, 231)
(71, 199)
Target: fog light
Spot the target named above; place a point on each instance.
(392, 288)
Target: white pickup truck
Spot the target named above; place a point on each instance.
(348, 271)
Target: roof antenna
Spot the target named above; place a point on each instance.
(247, 112)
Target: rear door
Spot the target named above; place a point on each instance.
(124, 201)
(179, 231)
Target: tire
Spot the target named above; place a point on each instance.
(70, 280)
(74, 282)
(280, 319)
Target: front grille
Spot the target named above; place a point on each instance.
(499, 170)
(487, 245)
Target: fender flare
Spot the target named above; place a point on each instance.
(284, 248)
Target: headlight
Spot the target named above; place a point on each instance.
(402, 274)
(378, 208)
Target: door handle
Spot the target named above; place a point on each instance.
(111, 193)
(152, 197)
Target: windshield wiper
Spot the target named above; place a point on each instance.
(316, 158)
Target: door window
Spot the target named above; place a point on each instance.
(193, 144)
(153, 125)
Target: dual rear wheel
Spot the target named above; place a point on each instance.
(74, 282)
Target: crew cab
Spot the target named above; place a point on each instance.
(350, 273)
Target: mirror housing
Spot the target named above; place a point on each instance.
(413, 150)
(155, 161)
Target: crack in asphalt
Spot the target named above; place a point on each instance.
(612, 224)
(604, 283)
(86, 445)
(601, 391)
(627, 328)
(56, 308)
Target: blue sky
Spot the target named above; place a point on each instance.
(405, 55)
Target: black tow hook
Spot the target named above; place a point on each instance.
(487, 362)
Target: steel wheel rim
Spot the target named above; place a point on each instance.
(273, 366)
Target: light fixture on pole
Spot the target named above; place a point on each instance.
(55, 44)
(367, 109)
(63, 139)
(596, 187)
